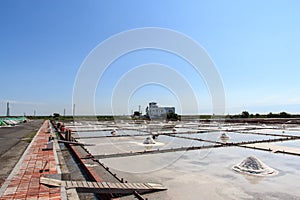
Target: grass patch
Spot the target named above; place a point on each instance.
(28, 138)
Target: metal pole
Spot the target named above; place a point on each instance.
(7, 109)
(74, 113)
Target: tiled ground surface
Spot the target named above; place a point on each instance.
(25, 183)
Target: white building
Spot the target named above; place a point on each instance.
(154, 111)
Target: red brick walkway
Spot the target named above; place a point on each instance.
(25, 183)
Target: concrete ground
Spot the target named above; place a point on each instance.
(12, 146)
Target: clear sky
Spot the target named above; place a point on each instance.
(255, 46)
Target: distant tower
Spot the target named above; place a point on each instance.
(64, 112)
(139, 108)
(7, 110)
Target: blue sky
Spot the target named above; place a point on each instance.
(255, 46)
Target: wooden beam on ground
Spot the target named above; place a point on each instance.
(157, 151)
(103, 187)
(74, 143)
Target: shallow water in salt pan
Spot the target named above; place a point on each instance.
(136, 143)
(233, 137)
(208, 174)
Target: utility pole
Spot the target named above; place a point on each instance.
(7, 109)
(74, 113)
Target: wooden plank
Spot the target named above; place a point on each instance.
(112, 185)
(146, 185)
(79, 183)
(91, 185)
(156, 186)
(50, 181)
(130, 185)
(95, 184)
(68, 184)
(74, 183)
(119, 185)
(105, 185)
(140, 186)
(126, 185)
(74, 143)
(85, 184)
(100, 185)
(135, 186)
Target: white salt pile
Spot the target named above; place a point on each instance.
(224, 137)
(114, 132)
(149, 140)
(253, 166)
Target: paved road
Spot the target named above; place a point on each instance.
(10, 136)
(12, 146)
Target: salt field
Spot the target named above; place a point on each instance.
(193, 161)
